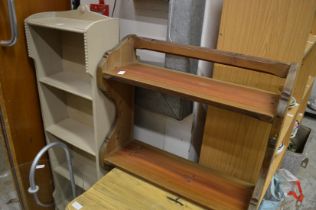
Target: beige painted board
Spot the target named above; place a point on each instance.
(74, 133)
(75, 21)
(66, 48)
(83, 164)
(119, 190)
(76, 83)
(80, 180)
(103, 109)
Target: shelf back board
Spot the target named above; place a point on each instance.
(267, 35)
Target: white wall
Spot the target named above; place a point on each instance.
(212, 15)
(155, 129)
(151, 21)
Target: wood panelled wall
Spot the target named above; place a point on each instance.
(17, 78)
(314, 25)
(308, 68)
(275, 29)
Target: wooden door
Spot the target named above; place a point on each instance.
(20, 99)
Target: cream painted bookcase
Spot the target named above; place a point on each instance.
(66, 48)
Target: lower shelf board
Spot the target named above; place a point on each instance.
(80, 180)
(182, 177)
(74, 133)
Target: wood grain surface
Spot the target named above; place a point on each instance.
(314, 25)
(182, 177)
(257, 103)
(308, 68)
(17, 78)
(305, 98)
(120, 190)
(267, 29)
(217, 56)
(120, 65)
(230, 144)
(177, 175)
(284, 138)
(122, 95)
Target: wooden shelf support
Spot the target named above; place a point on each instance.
(119, 71)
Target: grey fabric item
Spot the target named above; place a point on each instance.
(185, 27)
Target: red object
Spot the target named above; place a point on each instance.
(101, 8)
(300, 197)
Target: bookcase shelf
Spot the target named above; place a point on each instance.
(84, 164)
(74, 133)
(67, 21)
(66, 48)
(80, 181)
(76, 83)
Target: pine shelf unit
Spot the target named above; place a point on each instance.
(120, 71)
(66, 48)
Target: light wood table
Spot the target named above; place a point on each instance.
(119, 190)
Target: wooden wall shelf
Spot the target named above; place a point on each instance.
(119, 71)
(196, 183)
(255, 102)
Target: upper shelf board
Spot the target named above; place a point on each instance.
(121, 64)
(74, 21)
(258, 103)
(76, 83)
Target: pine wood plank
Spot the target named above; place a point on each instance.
(266, 35)
(120, 190)
(306, 96)
(217, 56)
(259, 28)
(230, 151)
(308, 68)
(314, 25)
(182, 177)
(254, 102)
(284, 138)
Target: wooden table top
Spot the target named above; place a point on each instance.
(120, 190)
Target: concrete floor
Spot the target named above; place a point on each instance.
(308, 175)
(8, 195)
